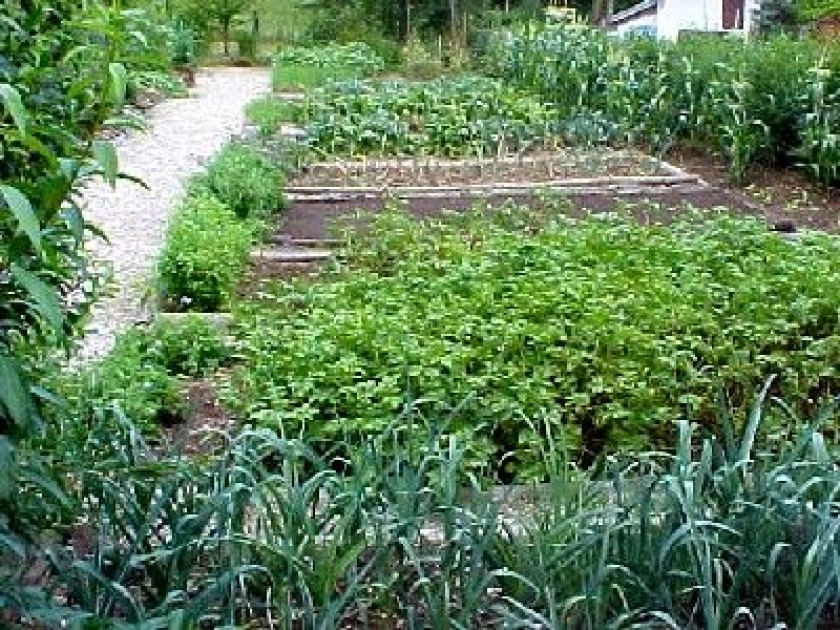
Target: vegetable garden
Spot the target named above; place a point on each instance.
(499, 409)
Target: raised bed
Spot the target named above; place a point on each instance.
(556, 170)
(314, 220)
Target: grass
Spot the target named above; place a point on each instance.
(297, 78)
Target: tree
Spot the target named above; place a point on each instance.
(221, 13)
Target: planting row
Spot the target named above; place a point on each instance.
(470, 116)
(718, 534)
(774, 100)
(513, 323)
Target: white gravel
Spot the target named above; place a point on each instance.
(182, 134)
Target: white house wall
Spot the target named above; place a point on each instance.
(679, 15)
(674, 16)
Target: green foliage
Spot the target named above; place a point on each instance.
(304, 67)
(131, 380)
(816, 9)
(205, 253)
(741, 99)
(190, 346)
(161, 83)
(820, 142)
(719, 533)
(245, 180)
(269, 113)
(183, 45)
(205, 15)
(544, 320)
(246, 45)
(140, 375)
(469, 116)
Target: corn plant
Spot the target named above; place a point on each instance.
(743, 99)
(820, 142)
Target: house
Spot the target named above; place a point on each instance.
(668, 18)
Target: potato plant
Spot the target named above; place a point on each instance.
(467, 116)
(606, 330)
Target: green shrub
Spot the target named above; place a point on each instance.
(131, 380)
(268, 114)
(609, 329)
(205, 253)
(183, 45)
(162, 83)
(248, 182)
(191, 346)
(246, 45)
(140, 375)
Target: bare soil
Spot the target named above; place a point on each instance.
(316, 220)
(778, 194)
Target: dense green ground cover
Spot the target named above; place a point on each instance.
(298, 67)
(212, 232)
(775, 100)
(464, 116)
(606, 330)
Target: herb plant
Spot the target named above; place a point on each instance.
(245, 180)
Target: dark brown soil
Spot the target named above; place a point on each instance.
(314, 220)
(204, 411)
(779, 194)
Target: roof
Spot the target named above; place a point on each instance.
(634, 11)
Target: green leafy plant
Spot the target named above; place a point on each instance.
(189, 346)
(742, 99)
(268, 114)
(245, 180)
(205, 253)
(820, 148)
(246, 45)
(468, 116)
(130, 379)
(303, 67)
(183, 45)
(161, 83)
(533, 317)
(718, 532)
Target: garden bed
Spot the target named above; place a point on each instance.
(315, 220)
(541, 167)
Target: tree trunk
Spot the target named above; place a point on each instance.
(453, 19)
(597, 13)
(226, 36)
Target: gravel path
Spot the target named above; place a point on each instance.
(182, 134)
